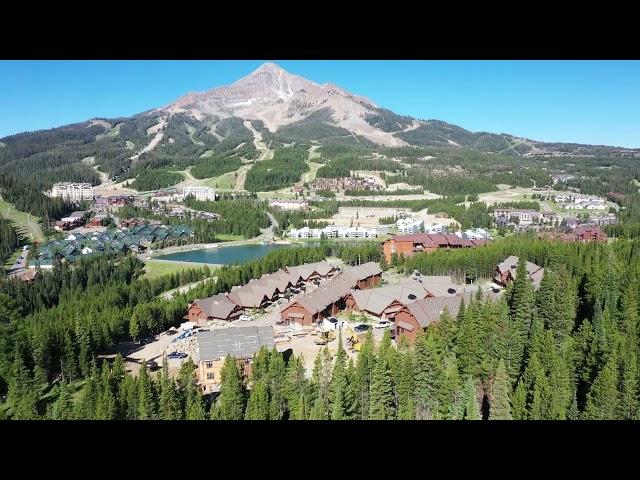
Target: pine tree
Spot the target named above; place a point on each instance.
(84, 341)
(469, 341)
(573, 412)
(406, 387)
(586, 360)
(296, 389)
(22, 394)
(429, 376)
(602, 399)
(106, 404)
(129, 397)
(146, 403)
(519, 410)
(69, 365)
(85, 406)
(232, 400)
(382, 406)
(628, 401)
(364, 364)
(277, 400)
(521, 304)
(260, 365)
(258, 406)
(195, 407)
(472, 409)
(500, 406)
(338, 386)
(451, 394)
(63, 406)
(169, 406)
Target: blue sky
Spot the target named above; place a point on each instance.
(596, 102)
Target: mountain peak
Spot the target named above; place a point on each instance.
(268, 67)
(278, 98)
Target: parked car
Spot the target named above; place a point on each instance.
(383, 324)
(246, 318)
(177, 355)
(152, 365)
(361, 328)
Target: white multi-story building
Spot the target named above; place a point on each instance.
(436, 228)
(290, 204)
(333, 232)
(73, 191)
(200, 193)
(474, 234)
(409, 225)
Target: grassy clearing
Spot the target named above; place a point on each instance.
(24, 223)
(310, 176)
(225, 181)
(229, 237)
(158, 268)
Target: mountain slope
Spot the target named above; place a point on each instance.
(212, 127)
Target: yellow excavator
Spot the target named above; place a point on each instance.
(324, 337)
(353, 339)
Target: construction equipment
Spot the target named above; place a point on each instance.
(353, 339)
(324, 337)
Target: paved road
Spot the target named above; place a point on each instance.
(184, 288)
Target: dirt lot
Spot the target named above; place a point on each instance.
(134, 355)
(506, 194)
(368, 217)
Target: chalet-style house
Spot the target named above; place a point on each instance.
(257, 293)
(384, 302)
(589, 234)
(409, 245)
(417, 316)
(218, 307)
(330, 297)
(506, 272)
(241, 343)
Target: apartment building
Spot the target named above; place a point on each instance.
(74, 192)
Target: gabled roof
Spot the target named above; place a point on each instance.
(308, 269)
(239, 342)
(247, 296)
(217, 306)
(428, 310)
(415, 238)
(377, 300)
(364, 271)
(328, 293)
(510, 264)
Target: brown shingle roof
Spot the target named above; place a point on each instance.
(365, 270)
(217, 306)
(377, 300)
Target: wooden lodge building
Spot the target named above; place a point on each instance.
(257, 293)
(506, 272)
(330, 297)
(241, 343)
(409, 245)
(417, 316)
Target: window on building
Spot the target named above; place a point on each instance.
(210, 376)
(209, 364)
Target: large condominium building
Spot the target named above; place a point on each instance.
(409, 225)
(333, 232)
(200, 193)
(73, 191)
(290, 204)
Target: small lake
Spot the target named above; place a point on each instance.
(223, 255)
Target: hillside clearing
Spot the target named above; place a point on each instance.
(27, 226)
